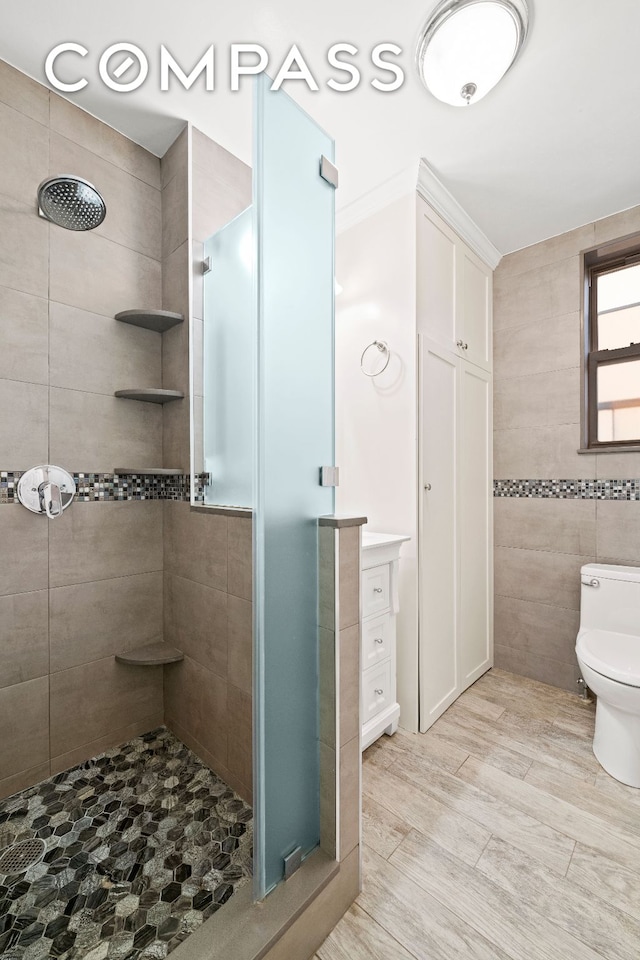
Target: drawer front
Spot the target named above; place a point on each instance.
(376, 690)
(377, 640)
(375, 590)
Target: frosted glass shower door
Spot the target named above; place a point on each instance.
(228, 355)
(294, 228)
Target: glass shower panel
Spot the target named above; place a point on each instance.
(228, 362)
(294, 227)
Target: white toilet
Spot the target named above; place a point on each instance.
(608, 651)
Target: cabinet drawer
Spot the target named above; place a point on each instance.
(376, 690)
(377, 639)
(375, 590)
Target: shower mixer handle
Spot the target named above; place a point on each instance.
(50, 499)
(47, 490)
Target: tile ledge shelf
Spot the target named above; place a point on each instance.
(149, 395)
(148, 471)
(158, 320)
(150, 655)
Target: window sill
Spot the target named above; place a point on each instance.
(621, 449)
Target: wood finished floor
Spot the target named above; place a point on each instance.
(495, 836)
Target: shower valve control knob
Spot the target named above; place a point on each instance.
(47, 490)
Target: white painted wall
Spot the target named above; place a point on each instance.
(376, 418)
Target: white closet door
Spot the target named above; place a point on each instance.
(436, 278)
(474, 315)
(475, 609)
(438, 665)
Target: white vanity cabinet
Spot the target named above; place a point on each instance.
(380, 709)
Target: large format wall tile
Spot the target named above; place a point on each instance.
(240, 736)
(24, 637)
(195, 545)
(539, 400)
(240, 638)
(175, 281)
(537, 628)
(100, 355)
(24, 721)
(548, 452)
(24, 247)
(93, 432)
(175, 212)
(538, 347)
(23, 424)
(24, 153)
(24, 94)
(105, 540)
(176, 449)
(240, 557)
(100, 694)
(24, 321)
(84, 129)
(175, 159)
(618, 525)
(552, 578)
(91, 621)
(549, 291)
(197, 700)
(25, 540)
(134, 217)
(561, 526)
(195, 621)
(529, 664)
(101, 276)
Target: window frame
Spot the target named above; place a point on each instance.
(616, 256)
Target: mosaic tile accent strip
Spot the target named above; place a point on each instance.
(98, 487)
(143, 844)
(568, 489)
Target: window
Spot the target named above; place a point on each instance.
(612, 347)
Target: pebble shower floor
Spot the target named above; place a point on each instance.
(141, 845)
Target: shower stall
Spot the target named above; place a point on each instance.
(167, 420)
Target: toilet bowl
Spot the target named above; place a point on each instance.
(608, 652)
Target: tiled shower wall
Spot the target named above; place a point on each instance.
(208, 554)
(542, 541)
(74, 591)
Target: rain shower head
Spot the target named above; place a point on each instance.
(71, 202)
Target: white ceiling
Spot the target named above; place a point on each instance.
(555, 145)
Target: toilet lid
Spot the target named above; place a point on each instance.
(614, 655)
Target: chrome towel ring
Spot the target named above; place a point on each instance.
(385, 355)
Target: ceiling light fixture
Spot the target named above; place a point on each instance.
(467, 46)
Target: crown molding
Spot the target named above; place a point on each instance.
(420, 178)
(430, 188)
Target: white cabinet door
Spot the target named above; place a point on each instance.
(438, 560)
(436, 278)
(475, 606)
(473, 318)
(454, 291)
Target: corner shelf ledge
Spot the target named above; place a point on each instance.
(158, 320)
(150, 395)
(146, 471)
(151, 655)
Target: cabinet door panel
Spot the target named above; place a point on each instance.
(475, 524)
(436, 283)
(475, 313)
(438, 555)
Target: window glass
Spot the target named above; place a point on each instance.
(618, 392)
(618, 328)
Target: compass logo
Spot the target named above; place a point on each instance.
(124, 67)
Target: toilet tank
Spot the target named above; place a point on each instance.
(610, 598)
